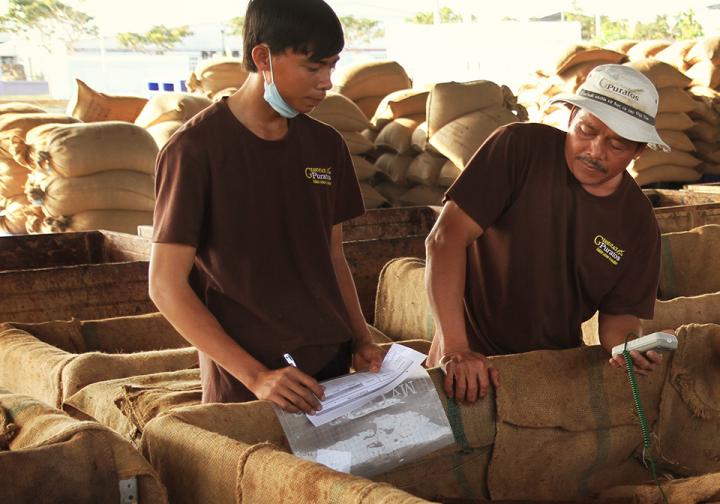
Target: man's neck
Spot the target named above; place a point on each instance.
(250, 108)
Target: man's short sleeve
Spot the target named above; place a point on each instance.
(181, 192)
(348, 198)
(636, 291)
(487, 186)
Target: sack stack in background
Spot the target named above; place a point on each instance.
(165, 113)
(89, 105)
(217, 77)
(342, 114)
(368, 83)
(91, 176)
(16, 119)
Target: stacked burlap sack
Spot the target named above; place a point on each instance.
(89, 176)
(16, 119)
(489, 460)
(163, 114)
(367, 84)
(89, 105)
(51, 361)
(46, 456)
(217, 77)
(341, 113)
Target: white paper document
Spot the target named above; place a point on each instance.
(348, 392)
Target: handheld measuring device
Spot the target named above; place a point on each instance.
(657, 341)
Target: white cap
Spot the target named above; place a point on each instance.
(624, 99)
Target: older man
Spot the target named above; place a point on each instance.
(543, 229)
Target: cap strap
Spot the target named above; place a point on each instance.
(623, 107)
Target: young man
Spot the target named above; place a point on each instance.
(247, 261)
(542, 230)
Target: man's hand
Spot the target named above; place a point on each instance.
(368, 357)
(289, 388)
(468, 375)
(642, 364)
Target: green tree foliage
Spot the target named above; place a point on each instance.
(686, 26)
(360, 31)
(236, 26)
(159, 39)
(46, 22)
(447, 15)
(655, 30)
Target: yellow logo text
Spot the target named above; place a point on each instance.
(321, 176)
(608, 250)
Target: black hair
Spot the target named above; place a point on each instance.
(309, 27)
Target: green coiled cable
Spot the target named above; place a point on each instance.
(644, 427)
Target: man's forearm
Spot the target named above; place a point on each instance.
(190, 317)
(613, 330)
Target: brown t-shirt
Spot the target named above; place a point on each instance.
(551, 254)
(260, 214)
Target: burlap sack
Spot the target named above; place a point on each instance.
(677, 140)
(162, 132)
(126, 405)
(579, 53)
(425, 169)
(706, 49)
(422, 195)
(579, 409)
(707, 151)
(369, 105)
(686, 256)
(674, 99)
(665, 173)
(704, 131)
(448, 174)
(574, 76)
(14, 127)
(403, 103)
(12, 178)
(216, 74)
(651, 158)
(705, 110)
(675, 54)
(709, 168)
(370, 135)
(452, 100)
(704, 488)
(55, 459)
(110, 190)
(622, 46)
(419, 138)
(171, 107)
(402, 309)
(704, 73)
(646, 49)
(364, 169)
(391, 192)
(53, 361)
(357, 144)
(377, 78)
(121, 221)
(371, 197)
(23, 149)
(14, 214)
(460, 139)
(396, 135)
(19, 108)
(673, 121)
(85, 149)
(394, 167)
(690, 406)
(89, 105)
(661, 74)
(341, 113)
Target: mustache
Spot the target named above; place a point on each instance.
(593, 162)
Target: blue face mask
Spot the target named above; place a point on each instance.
(275, 99)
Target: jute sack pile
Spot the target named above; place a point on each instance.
(16, 214)
(622, 46)
(372, 198)
(89, 105)
(52, 361)
(368, 83)
(576, 62)
(403, 103)
(687, 257)
(19, 108)
(704, 58)
(217, 74)
(647, 49)
(165, 113)
(396, 135)
(126, 405)
(49, 457)
(675, 54)
(14, 127)
(461, 116)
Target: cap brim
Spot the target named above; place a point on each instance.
(618, 121)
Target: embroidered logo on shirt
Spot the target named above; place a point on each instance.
(320, 176)
(608, 250)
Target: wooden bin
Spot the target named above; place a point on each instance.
(684, 210)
